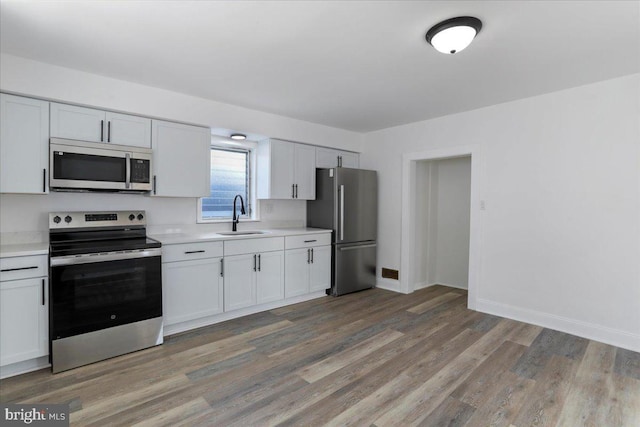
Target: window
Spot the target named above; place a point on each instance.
(230, 175)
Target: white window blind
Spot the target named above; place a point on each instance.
(229, 177)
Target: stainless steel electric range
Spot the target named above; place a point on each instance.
(105, 287)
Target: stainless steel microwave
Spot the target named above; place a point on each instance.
(87, 166)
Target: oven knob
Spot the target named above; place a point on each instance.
(57, 219)
(67, 219)
(132, 217)
(140, 216)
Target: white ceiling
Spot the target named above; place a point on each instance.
(357, 65)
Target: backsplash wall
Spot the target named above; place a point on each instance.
(26, 213)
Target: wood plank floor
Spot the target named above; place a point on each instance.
(374, 358)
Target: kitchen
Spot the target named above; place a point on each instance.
(557, 205)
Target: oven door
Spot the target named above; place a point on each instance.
(91, 296)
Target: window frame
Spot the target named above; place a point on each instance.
(252, 203)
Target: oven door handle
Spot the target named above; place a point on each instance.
(87, 259)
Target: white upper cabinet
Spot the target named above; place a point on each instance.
(305, 172)
(24, 145)
(124, 129)
(280, 157)
(181, 160)
(72, 122)
(330, 158)
(286, 170)
(89, 124)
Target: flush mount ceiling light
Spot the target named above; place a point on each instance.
(238, 136)
(453, 35)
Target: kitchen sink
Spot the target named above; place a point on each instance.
(240, 233)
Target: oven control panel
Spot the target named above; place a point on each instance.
(58, 220)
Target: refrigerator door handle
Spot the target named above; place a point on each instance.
(342, 212)
(353, 248)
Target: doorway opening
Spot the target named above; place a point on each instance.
(440, 220)
(443, 198)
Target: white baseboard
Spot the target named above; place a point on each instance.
(422, 285)
(427, 285)
(588, 330)
(389, 285)
(450, 286)
(24, 367)
(210, 320)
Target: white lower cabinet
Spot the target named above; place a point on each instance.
(320, 269)
(239, 282)
(270, 277)
(206, 282)
(307, 264)
(192, 281)
(252, 279)
(297, 262)
(193, 289)
(24, 309)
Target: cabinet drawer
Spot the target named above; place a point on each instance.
(23, 267)
(188, 251)
(249, 246)
(307, 240)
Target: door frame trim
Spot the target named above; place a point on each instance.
(408, 217)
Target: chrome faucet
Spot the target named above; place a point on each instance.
(236, 218)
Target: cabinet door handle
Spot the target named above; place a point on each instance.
(339, 161)
(259, 263)
(101, 130)
(109, 131)
(254, 262)
(221, 267)
(154, 184)
(42, 291)
(311, 255)
(296, 191)
(18, 268)
(293, 191)
(195, 252)
(44, 180)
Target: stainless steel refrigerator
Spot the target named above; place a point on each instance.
(347, 202)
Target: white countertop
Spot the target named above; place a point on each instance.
(176, 238)
(24, 249)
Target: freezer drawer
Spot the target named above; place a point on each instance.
(354, 267)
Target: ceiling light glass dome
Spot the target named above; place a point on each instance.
(453, 35)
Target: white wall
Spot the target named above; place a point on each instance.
(443, 191)
(37, 79)
(560, 177)
(21, 213)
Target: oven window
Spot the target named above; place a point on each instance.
(90, 297)
(86, 167)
